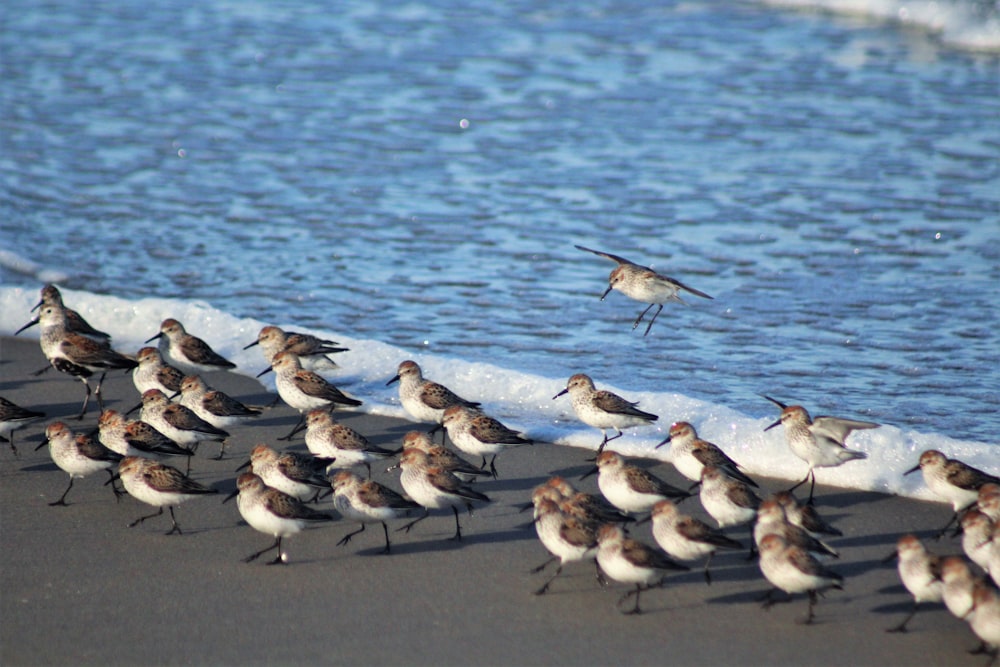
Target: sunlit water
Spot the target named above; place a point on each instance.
(411, 180)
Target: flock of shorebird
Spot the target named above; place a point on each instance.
(179, 410)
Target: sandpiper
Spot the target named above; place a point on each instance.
(603, 409)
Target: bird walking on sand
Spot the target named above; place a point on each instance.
(51, 296)
(313, 352)
(439, 455)
(729, 501)
(804, 515)
(272, 512)
(952, 480)
(603, 409)
(217, 408)
(298, 475)
(434, 488)
(631, 562)
(154, 373)
(423, 399)
(690, 454)
(793, 570)
(629, 487)
(771, 520)
(820, 442)
(920, 572)
(342, 445)
(568, 538)
(687, 538)
(304, 390)
(13, 417)
(158, 485)
(77, 455)
(984, 619)
(135, 437)
(480, 435)
(643, 284)
(74, 354)
(189, 353)
(177, 422)
(367, 501)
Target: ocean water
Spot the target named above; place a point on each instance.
(411, 180)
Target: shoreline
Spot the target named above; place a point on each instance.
(78, 586)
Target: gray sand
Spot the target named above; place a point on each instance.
(80, 587)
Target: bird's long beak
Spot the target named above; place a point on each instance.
(606, 292)
(37, 306)
(913, 469)
(113, 477)
(564, 391)
(394, 379)
(521, 509)
(231, 496)
(298, 429)
(265, 371)
(775, 401)
(27, 326)
(891, 557)
(251, 345)
(44, 442)
(665, 441)
(245, 465)
(589, 472)
(777, 423)
(159, 335)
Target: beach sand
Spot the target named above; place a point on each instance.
(79, 587)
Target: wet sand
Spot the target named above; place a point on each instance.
(79, 587)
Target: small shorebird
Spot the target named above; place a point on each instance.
(587, 506)
(154, 373)
(920, 572)
(686, 538)
(771, 520)
(957, 582)
(272, 512)
(568, 538)
(952, 480)
(820, 441)
(631, 562)
(217, 408)
(977, 535)
(342, 445)
(423, 399)
(51, 296)
(690, 454)
(434, 488)
(804, 515)
(643, 284)
(135, 437)
(628, 487)
(298, 475)
(77, 455)
(603, 409)
(189, 353)
(74, 354)
(367, 501)
(985, 619)
(158, 485)
(438, 455)
(304, 390)
(793, 570)
(313, 352)
(178, 422)
(480, 435)
(729, 501)
(13, 417)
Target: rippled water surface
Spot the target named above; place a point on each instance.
(419, 173)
